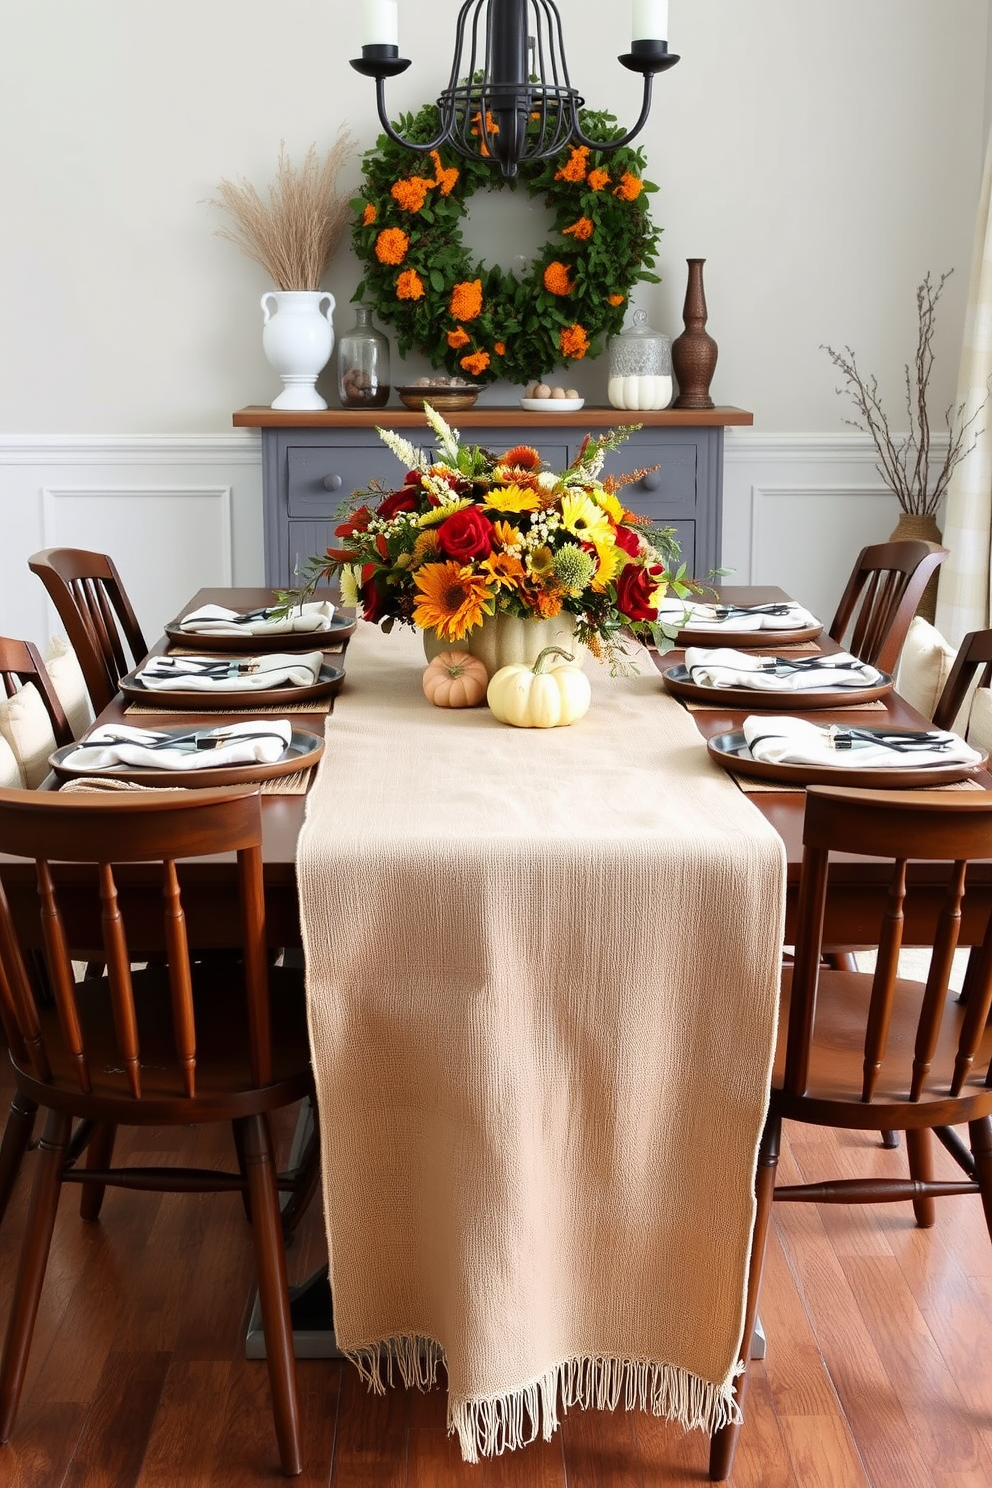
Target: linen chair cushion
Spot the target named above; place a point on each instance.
(27, 729)
(980, 722)
(924, 666)
(11, 774)
(62, 665)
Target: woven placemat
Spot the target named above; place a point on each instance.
(313, 705)
(296, 784)
(751, 786)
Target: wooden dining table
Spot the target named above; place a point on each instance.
(214, 909)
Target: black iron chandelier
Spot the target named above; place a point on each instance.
(509, 97)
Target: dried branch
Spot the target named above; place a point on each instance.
(295, 233)
(904, 463)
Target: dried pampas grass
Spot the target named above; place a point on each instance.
(294, 235)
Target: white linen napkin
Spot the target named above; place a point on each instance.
(796, 741)
(212, 619)
(259, 741)
(237, 674)
(710, 617)
(724, 667)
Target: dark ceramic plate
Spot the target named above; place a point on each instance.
(193, 700)
(732, 752)
(304, 749)
(678, 682)
(341, 627)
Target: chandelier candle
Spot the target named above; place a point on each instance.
(380, 23)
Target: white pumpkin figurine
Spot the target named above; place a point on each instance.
(539, 697)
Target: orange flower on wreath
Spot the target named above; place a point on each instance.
(574, 168)
(491, 128)
(458, 338)
(500, 348)
(616, 299)
(476, 363)
(444, 178)
(370, 214)
(391, 245)
(557, 278)
(466, 300)
(630, 187)
(573, 341)
(409, 286)
(581, 230)
(597, 179)
(411, 193)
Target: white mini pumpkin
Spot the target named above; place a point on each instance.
(533, 697)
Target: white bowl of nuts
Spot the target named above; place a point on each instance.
(544, 397)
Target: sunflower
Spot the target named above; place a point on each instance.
(505, 571)
(512, 498)
(583, 518)
(451, 599)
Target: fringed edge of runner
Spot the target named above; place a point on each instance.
(491, 1425)
(501, 1423)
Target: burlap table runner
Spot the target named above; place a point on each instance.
(542, 976)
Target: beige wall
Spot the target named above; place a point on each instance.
(820, 156)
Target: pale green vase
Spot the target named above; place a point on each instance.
(506, 640)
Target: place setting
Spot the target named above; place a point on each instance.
(270, 680)
(224, 754)
(797, 752)
(714, 624)
(724, 676)
(292, 627)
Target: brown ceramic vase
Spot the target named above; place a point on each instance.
(694, 352)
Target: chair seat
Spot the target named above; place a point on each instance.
(836, 1058)
(223, 1085)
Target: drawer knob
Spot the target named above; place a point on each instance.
(651, 481)
(332, 483)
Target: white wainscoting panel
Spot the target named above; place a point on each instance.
(175, 512)
(180, 511)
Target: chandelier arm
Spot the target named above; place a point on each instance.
(441, 138)
(608, 146)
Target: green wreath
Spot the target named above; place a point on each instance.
(484, 323)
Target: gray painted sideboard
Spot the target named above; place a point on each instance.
(312, 462)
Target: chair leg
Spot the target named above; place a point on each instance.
(99, 1153)
(16, 1137)
(980, 1133)
(33, 1263)
(723, 1444)
(239, 1148)
(255, 1137)
(919, 1150)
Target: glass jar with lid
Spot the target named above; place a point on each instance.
(640, 366)
(363, 364)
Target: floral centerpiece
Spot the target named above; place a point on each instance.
(472, 535)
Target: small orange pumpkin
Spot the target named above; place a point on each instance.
(454, 679)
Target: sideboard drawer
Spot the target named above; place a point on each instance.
(319, 480)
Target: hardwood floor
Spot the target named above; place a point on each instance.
(879, 1368)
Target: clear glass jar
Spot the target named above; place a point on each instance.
(363, 364)
(640, 366)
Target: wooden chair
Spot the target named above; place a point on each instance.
(176, 1044)
(21, 662)
(870, 1052)
(881, 598)
(92, 604)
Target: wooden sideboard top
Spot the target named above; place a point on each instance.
(257, 416)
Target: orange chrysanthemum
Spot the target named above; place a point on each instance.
(616, 299)
(505, 571)
(476, 363)
(457, 338)
(446, 179)
(558, 278)
(574, 168)
(630, 187)
(581, 230)
(466, 299)
(409, 286)
(411, 193)
(523, 456)
(573, 341)
(499, 347)
(451, 599)
(597, 179)
(548, 602)
(370, 214)
(391, 245)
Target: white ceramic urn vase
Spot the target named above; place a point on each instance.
(298, 338)
(507, 640)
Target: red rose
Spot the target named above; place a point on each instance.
(373, 600)
(357, 522)
(466, 535)
(399, 501)
(628, 541)
(635, 591)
